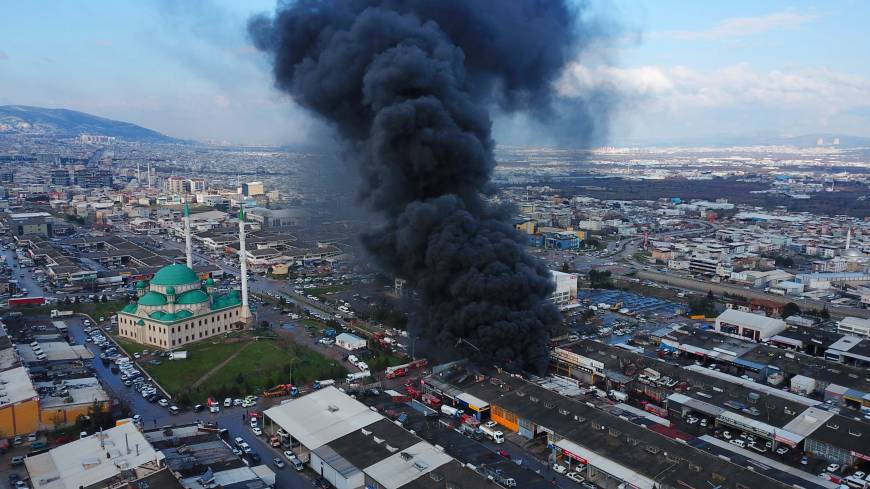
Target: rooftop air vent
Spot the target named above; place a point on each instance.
(332, 408)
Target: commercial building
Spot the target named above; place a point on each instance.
(350, 342)
(747, 325)
(252, 189)
(31, 223)
(19, 403)
(566, 288)
(854, 326)
(117, 457)
(176, 308)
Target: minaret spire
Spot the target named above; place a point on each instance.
(243, 262)
(849, 238)
(188, 248)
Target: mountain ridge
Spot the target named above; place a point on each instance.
(25, 120)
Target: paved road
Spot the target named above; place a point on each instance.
(720, 289)
(155, 416)
(24, 276)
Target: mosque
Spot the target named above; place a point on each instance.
(176, 308)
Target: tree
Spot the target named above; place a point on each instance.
(600, 279)
(783, 261)
(104, 299)
(790, 309)
(264, 324)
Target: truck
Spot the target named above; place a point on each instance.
(431, 400)
(402, 370)
(493, 434)
(449, 410)
(282, 390)
(26, 301)
(319, 384)
(61, 314)
(356, 376)
(471, 431)
(618, 396)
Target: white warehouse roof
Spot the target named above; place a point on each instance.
(763, 324)
(322, 416)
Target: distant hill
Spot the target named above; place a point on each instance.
(62, 123)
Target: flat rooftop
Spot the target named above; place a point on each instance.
(16, 386)
(322, 416)
(81, 391)
(653, 455)
(94, 459)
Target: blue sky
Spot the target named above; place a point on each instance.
(679, 69)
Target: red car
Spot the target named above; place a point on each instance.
(504, 454)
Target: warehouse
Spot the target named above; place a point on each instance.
(350, 342)
(19, 403)
(352, 446)
(747, 325)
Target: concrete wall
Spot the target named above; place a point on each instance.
(19, 418)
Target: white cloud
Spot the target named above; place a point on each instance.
(738, 27)
(736, 97)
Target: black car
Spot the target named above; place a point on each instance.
(322, 483)
(198, 408)
(254, 457)
(13, 478)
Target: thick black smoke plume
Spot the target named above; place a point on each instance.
(408, 84)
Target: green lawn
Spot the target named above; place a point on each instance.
(264, 364)
(260, 365)
(177, 375)
(129, 346)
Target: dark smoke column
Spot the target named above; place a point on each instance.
(408, 85)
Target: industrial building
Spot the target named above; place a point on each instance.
(604, 448)
(19, 403)
(747, 325)
(352, 446)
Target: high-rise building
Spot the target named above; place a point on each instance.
(61, 177)
(252, 189)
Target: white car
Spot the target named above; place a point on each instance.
(257, 431)
(782, 450)
(253, 422)
(228, 402)
(491, 424)
(575, 476)
(559, 468)
(833, 468)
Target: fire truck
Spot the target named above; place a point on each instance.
(402, 370)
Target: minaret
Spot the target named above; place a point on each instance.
(149, 173)
(243, 263)
(138, 175)
(849, 238)
(188, 248)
